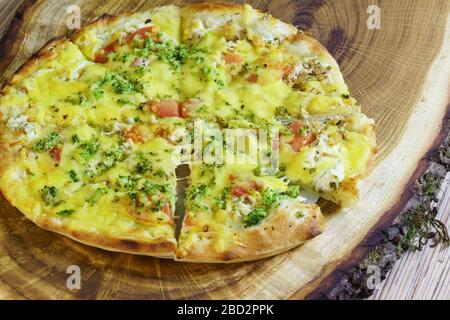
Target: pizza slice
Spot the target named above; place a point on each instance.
(233, 215)
(327, 143)
(142, 50)
(75, 162)
(224, 42)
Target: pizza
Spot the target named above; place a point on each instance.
(95, 126)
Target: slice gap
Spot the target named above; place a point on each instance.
(183, 173)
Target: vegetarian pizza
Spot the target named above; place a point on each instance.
(93, 129)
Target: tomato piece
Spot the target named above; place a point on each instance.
(299, 142)
(230, 58)
(143, 33)
(253, 78)
(166, 108)
(239, 191)
(188, 219)
(296, 126)
(301, 139)
(56, 154)
(102, 56)
(187, 107)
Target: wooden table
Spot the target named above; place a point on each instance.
(416, 275)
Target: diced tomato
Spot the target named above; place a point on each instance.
(187, 219)
(187, 107)
(253, 78)
(166, 108)
(296, 126)
(143, 33)
(300, 139)
(56, 154)
(230, 58)
(239, 191)
(102, 56)
(111, 47)
(134, 134)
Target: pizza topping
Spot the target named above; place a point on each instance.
(168, 211)
(73, 176)
(134, 134)
(47, 143)
(21, 124)
(270, 197)
(231, 58)
(65, 213)
(143, 33)
(302, 136)
(252, 78)
(166, 51)
(329, 179)
(166, 108)
(194, 195)
(119, 83)
(50, 196)
(102, 56)
(56, 153)
(239, 192)
(255, 217)
(89, 148)
(307, 70)
(188, 106)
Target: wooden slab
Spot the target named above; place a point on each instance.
(400, 75)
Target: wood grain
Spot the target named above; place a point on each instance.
(400, 75)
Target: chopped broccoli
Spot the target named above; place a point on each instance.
(255, 217)
(47, 143)
(50, 195)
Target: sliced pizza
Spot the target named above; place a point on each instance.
(72, 166)
(233, 215)
(93, 129)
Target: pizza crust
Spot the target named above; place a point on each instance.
(256, 24)
(280, 232)
(107, 29)
(46, 53)
(163, 247)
